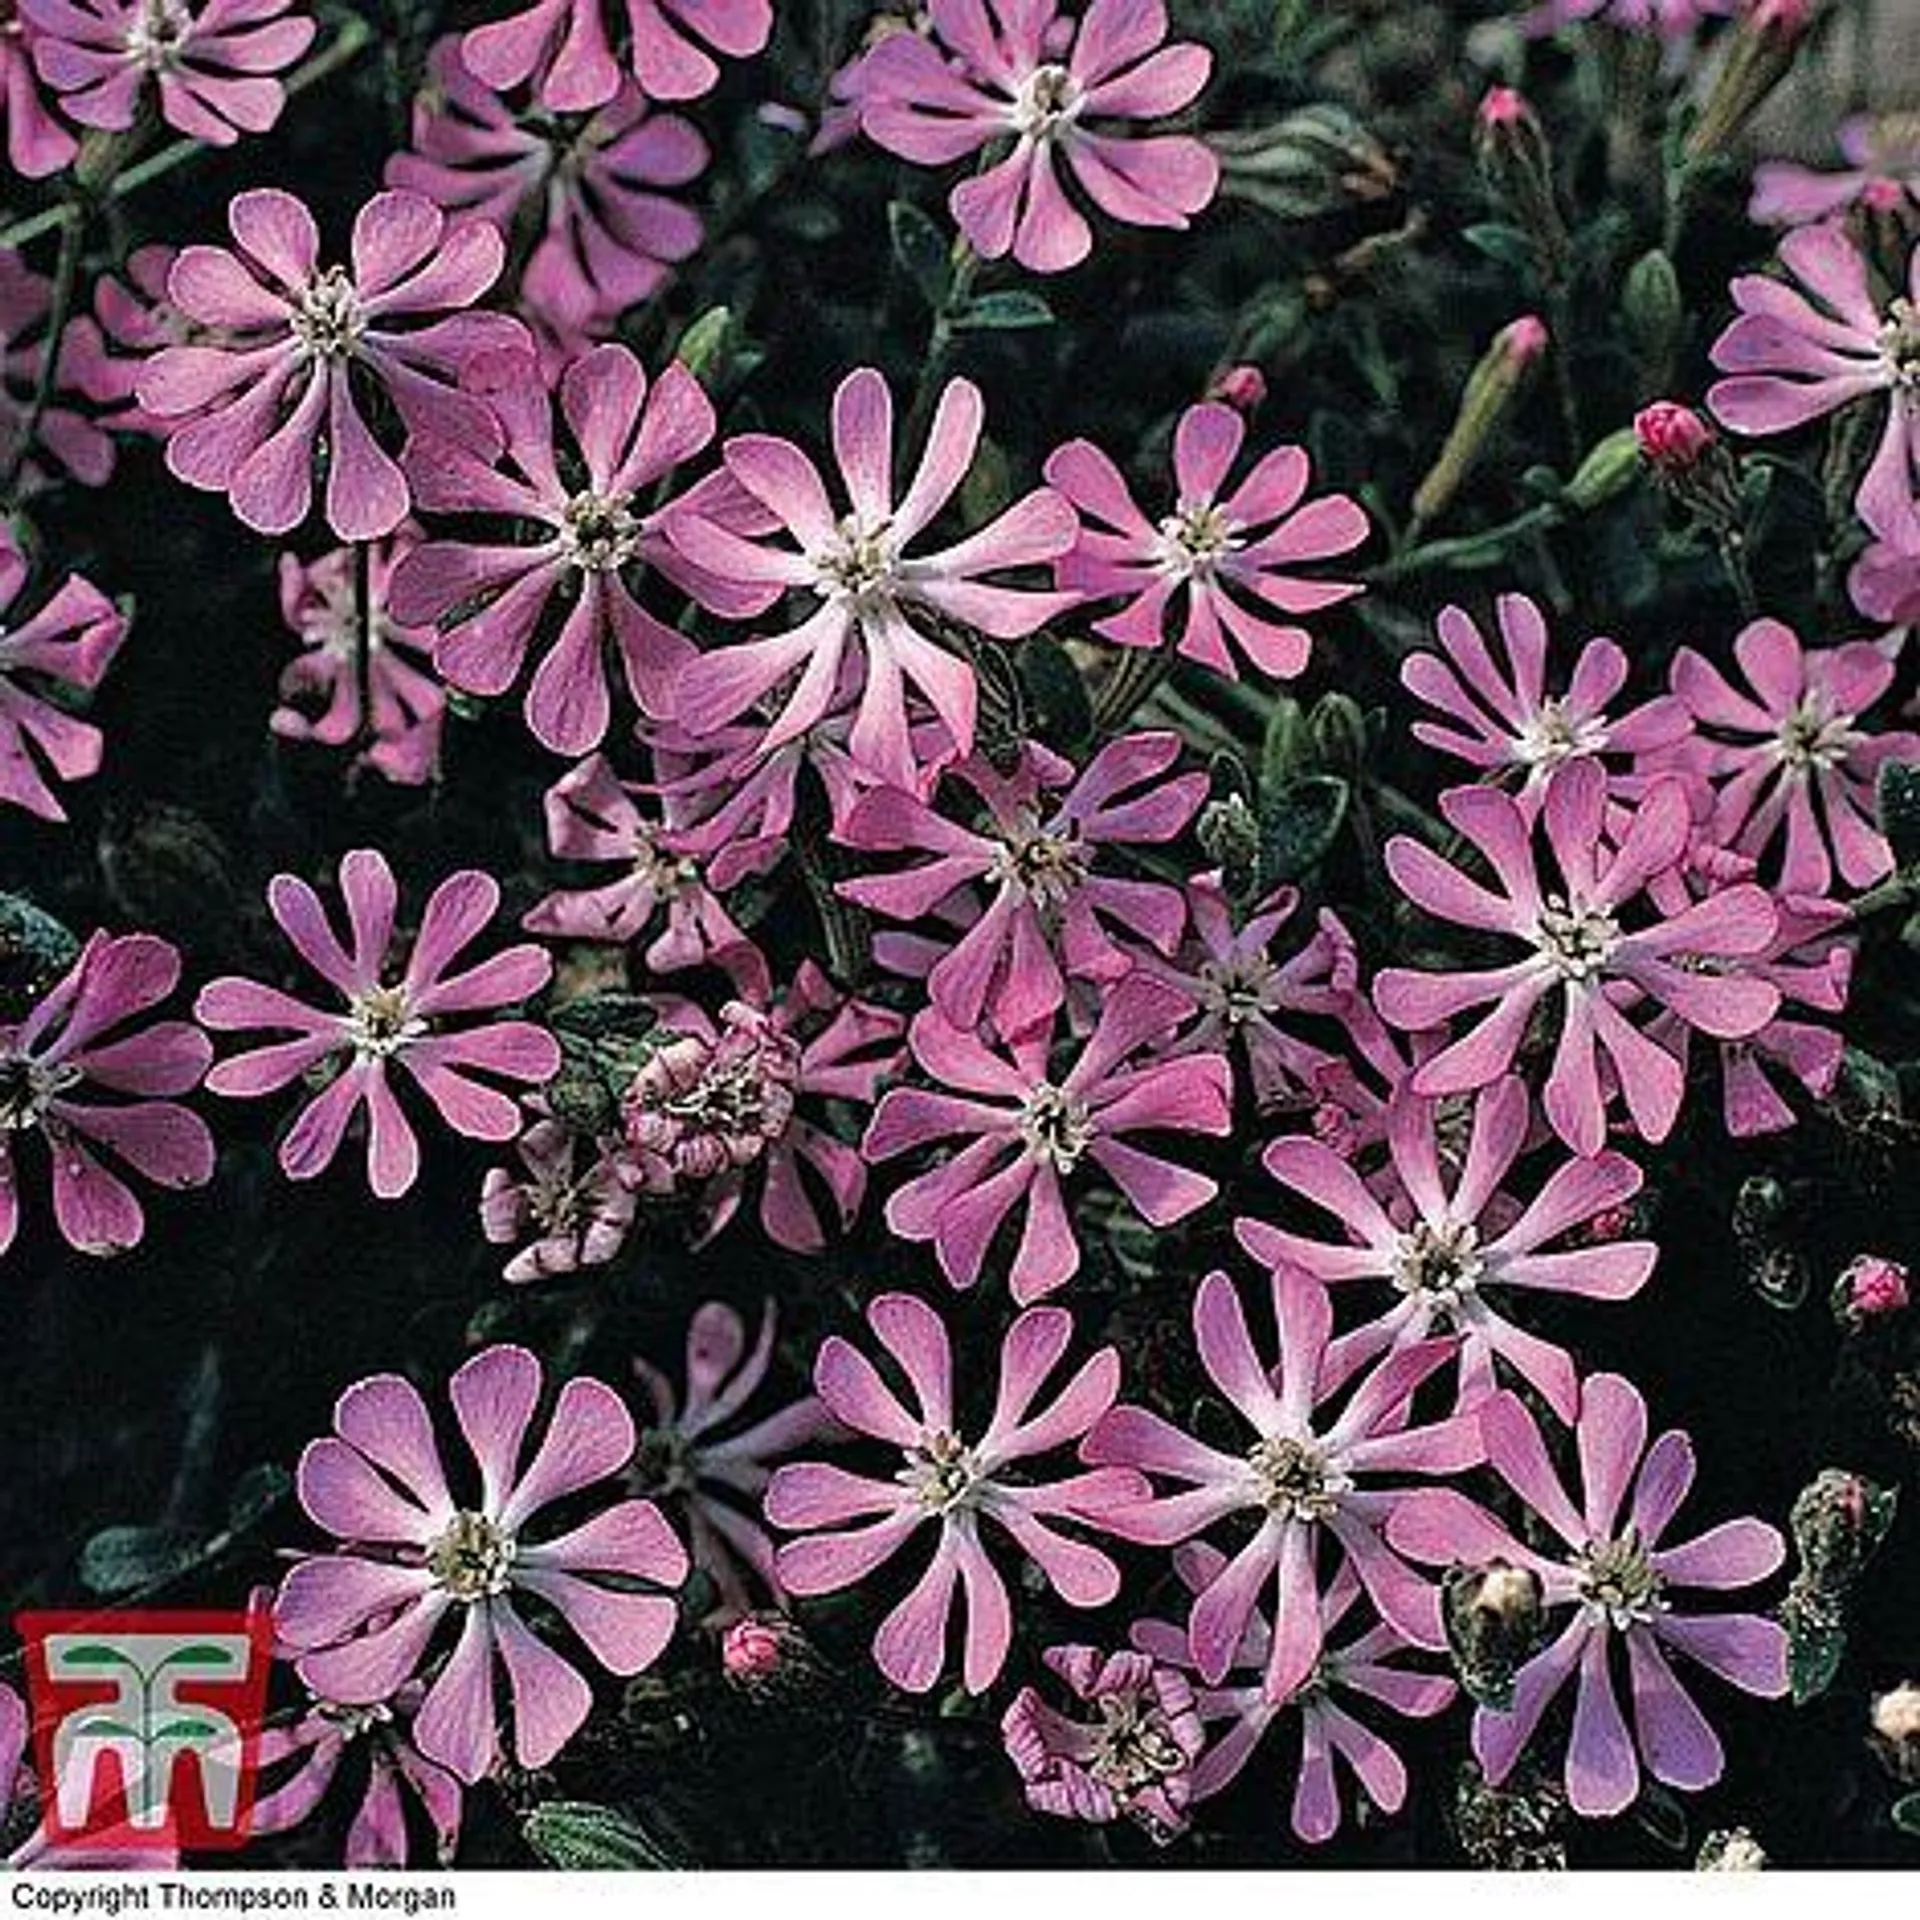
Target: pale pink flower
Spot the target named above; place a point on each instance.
(1581, 949)
(418, 1553)
(1238, 1713)
(873, 629)
(573, 1207)
(131, 321)
(102, 1094)
(1882, 175)
(398, 735)
(68, 643)
(212, 63)
(957, 1484)
(1884, 583)
(419, 1023)
(1035, 883)
(1028, 1132)
(256, 400)
(1447, 1242)
(564, 48)
(994, 70)
(1791, 763)
(1619, 1582)
(1303, 1481)
(76, 444)
(1219, 563)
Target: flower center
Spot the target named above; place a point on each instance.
(1578, 940)
(1551, 735)
(354, 1722)
(1900, 344)
(1048, 102)
(28, 1088)
(328, 321)
(472, 1557)
(1046, 867)
(861, 564)
(1439, 1265)
(664, 1463)
(1195, 538)
(1297, 1481)
(599, 533)
(1133, 1748)
(1056, 1126)
(1238, 989)
(1810, 737)
(704, 1106)
(380, 1023)
(157, 33)
(941, 1471)
(1616, 1578)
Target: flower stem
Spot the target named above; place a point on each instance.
(363, 641)
(66, 274)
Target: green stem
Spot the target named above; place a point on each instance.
(1894, 894)
(59, 311)
(1733, 557)
(363, 641)
(1440, 553)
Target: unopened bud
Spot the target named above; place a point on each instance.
(1242, 388)
(1338, 730)
(765, 1654)
(1486, 400)
(1315, 161)
(1869, 1288)
(1516, 161)
(1673, 437)
(1893, 1724)
(1655, 313)
(1229, 832)
(1609, 469)
(1492, 1616)
(1838, 1521)
(1730, 1850)
(1760, 53)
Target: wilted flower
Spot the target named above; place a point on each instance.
(960, 1486)
(417, 1023)
(415, 1554)
(1871, 1287)
(573, 1207)
(996, 71)
(1213, 568)
(101, 1093)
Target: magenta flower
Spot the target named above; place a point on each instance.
(69, 643)
(861, 637)
(307, 1757)
(102, 1093)
(1228, 563)
(491, 600)
(108, 349)
(1882, 174)
(1449, 1247)
(1581, 949)
(399, 735)
(959, 1486)
(75, 443)
(37, 144)
(1791, 764)
(996, 71)
(594, 817)
(572, 1206)
(1027, 1133)
(563, 48)
(1884, 583)
(1620, 1584)
(1134, 1760)
(1498, 715)
(610, 231)
(293, 337)
(1798, 352)
(211, 62)
(714, 1478)
(417, 1023)
(1328, 1732)
(415, 1553)
(1035, 880)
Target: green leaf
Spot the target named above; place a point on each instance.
(1058, 707)
(119, 1559)
(922, 251)
(579, 1837)
(1003, 312)
(1508, 246)
(703, 345)
(1816, 1644)
(1906, 1814)
(187, 1730)
(1899, 796)
(1663, 1817)
(106, 1729)
(95, 1657)
(256, 1494)
(1299, 823)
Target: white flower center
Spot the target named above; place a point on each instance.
(1133, 1748)
(1900, 345)
(328, 322)
(1616, 1578)
(1810, 737)
(1578, 940)
(380, 1022)
(1552, 735)
(600, 533)
(1046, 867)
(354, 1722)
(1439, 1265)
(157, 33)
(860, 565)
(472, 1557)
(1047, 104)
(1296, 1479)
(1056, 1127)
(941, 1471)
(28, 1087)
(1194, 539)
(1238, 989)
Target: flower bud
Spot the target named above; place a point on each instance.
(1229, 832)
(1609, 469)
(1486, 400)
(1516, 162)
(1893, 1731)
(1242, 388)
(1655, 312)
(1870, 1288)
(1673, 437)
(1730, 1850)
(1315, 161)
(1838, 1521)
(1492, 1616)
(764, 1655)
(1760, 53)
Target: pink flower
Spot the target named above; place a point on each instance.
(37, 144)
(1498, 715)
(293, 336)
(69, 643)
(416, 1553)
(1448, 1241)
(1300, 1480)
(574, 1207)
(211, 62)
(1619, 1583)
(1227, 562)
(131, 321)
(320, 691)
(1581, 948)
(1035, 881)
(1134, 1760)
(1870, 1288)
(415, 1023)
(993, 72)
(311, 1754)
(74, 442)
(492, 600)
(1791, 765)
(1670, 19)
(1798, 352)
(712, 1477)
(608, 232)
(102, 1096)
(1672, 437)
(715, 1099)
(593, 817)
(861, 638)
(957, 1485)
(1882, 175)
(1328, 1732)
(1027, 1133)
(1885, 581)
(562, 46)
